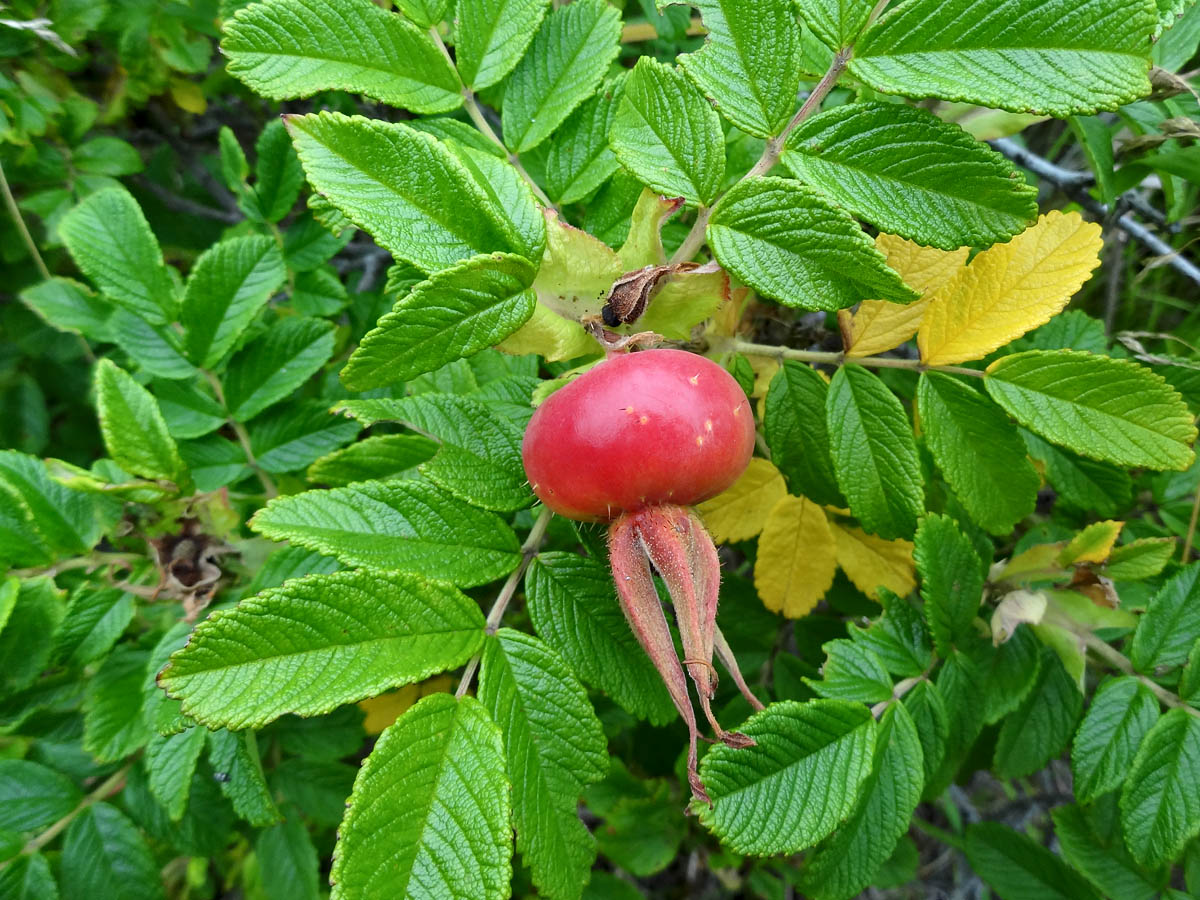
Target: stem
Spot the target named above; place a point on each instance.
(110, 786)
(1191, 532)
(476, 115)
(92, 560)
(645, 31)
(770, 154)
(840, 358)
(1118, 660)
(243, 437)
(11, 202)
(901, 688)
(529, 550)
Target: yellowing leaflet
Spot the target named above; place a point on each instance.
(878, 325)
(796, 557)
(1009, 289)
(739, 513)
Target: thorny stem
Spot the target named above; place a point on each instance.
(1118, 660)
(529, 550)
(476, 115)
(770, 154)
(243, 437)
(840, 358)
(11, 202)
(109, 787)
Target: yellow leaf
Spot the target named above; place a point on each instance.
(188, 96)
(1039, 560)
(1009, 289)
(1093, 544)
(385, 709)
(552, 336)
(796, 557)
(643, 246)
(878, 325)
(765, 368)
(740, 512)
(871, 562)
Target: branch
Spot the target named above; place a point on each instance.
(1075, 186)
(1118, 660)
(528, 551)
(840, 358)
(269, 489)
(770, 154)
(11, 202)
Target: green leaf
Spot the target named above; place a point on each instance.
(1121, 714)
(1139, 559)
(796, 432)
(642, 834)
(851, 671)
(510, 200)
(1160, 801)
(1087, 484)
(70, 306)
(111, 242)
(1054, 59)
(289, 48)
(408, 525)
(788, 242)
(161, 713)
(928, 710)
(579, 159)
(318, 642)
(28, 878)
(106, 156)
(569, 55)
(320, 789)
(836, 23)
(749, 65)
(909, 173)
(95, 618)
(234, 167)
(214, 462)
(951, 581)
(410, 192)
(575, 610)
(1096, 141)
(112, 723)
(793, 788)
(132, 426)
(157, 349)
(170, 765)
(479, 460)
(555, 747)
(847, 862)
(288, 861)
(899, 637)
(381, 456)
(979, 452)
(874, 453)
(234, 755)
(456, 313)
(69, 520)
(307, 244)
(430, 810)
(189, 411)
(1170, 624)
(666, 133)
(278, 176)
(229, 284)
(491, 36)
(1108, 409)
(1041, 726)
(1108, 866)
(272, 366)
(25, 641)
(33, 796)
(104, 855)
(1018, 868)
(292, 437)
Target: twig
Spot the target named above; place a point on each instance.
(529, 550)
(243, 437)
(1118, 660)
(1191, 532)
(476, 115)
(1075, 184)
(645, 31)
(177, 203)
(92, 561)
(18, 220)
(110, 786)
(770, 154)
(840, 358)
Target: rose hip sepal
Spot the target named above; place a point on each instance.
(635, 442)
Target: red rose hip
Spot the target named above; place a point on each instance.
(640, 429)
(636, 442)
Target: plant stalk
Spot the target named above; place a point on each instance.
(840, 358)
(529, 550)
(268, 483)
(11, 202)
